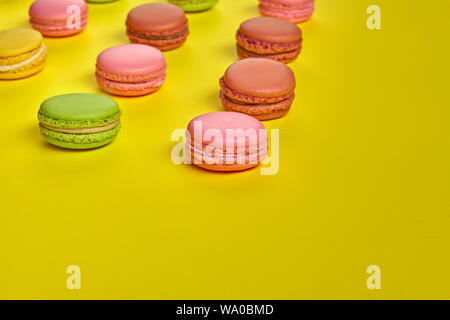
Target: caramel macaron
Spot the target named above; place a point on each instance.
(261, 88)
(269, 38)
(161, 25)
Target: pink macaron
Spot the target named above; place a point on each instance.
(131, 70)
(226, 141)
(296, 11)
(59, 18)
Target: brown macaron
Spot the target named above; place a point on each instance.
(261, 88)
(269, 38)
(161, 25)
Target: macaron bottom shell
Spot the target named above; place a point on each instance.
(217, 161)
(79, 141)
(194, 5)
(26, 70)
(59, 30)
(76, 146)
(285, 57)
(259, 108)
(225, 167)
(258, 111)
(129, 89)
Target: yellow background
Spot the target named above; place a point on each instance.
(363, 180)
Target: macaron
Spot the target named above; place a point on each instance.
(261, 88)
(161, 25)
(131, 70)
(194, 5)
(59, 18)
(22, 53)
(269, 38)
(296, 11)
(226, 141)
(79, 120)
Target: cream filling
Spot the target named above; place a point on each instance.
(23, 63)
(82, 131)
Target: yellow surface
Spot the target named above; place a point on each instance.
(363, 180)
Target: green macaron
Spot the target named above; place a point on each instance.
(79, 120)
(194, 5)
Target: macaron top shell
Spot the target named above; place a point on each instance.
(260, 78)
(271, 30)
(79, 107)
(55, 9)
(137, 59)
(226, 123)
(18, 41)
(156, 17)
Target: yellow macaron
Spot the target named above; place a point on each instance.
(22, 53)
